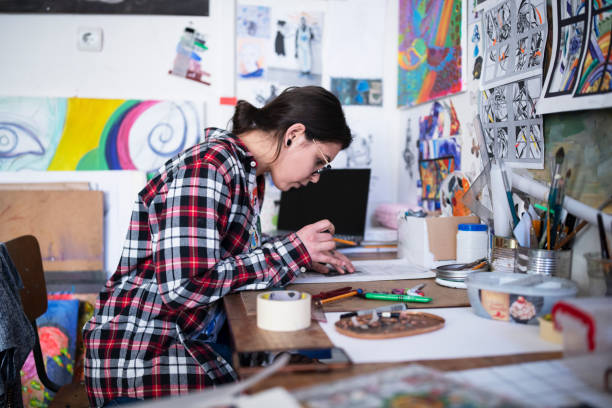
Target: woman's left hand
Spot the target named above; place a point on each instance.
(342, 260)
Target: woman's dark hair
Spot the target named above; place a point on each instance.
(314, 107)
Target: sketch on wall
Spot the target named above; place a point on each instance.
(429, 53)
(276, 45)
(512, 128)
(514, 39)
(580, 70)
(95, 134)
(353, 91)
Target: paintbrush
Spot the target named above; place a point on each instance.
(559, 205)
(580, 226)
(552, 194)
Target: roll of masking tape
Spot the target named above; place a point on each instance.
(283, 310)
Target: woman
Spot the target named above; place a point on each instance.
(194, 237)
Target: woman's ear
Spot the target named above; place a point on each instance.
(295, 133)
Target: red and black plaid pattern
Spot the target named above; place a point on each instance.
(186, 247)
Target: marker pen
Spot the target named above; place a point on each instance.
(397, 298)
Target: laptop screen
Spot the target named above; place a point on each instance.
(341, 196)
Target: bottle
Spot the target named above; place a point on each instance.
(472, 242)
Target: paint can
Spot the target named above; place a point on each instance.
(543, 262)
(503, 254)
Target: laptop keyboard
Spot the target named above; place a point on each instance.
(346, 237)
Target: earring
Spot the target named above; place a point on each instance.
(289, 142)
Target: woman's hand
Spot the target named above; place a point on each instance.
(318, 240)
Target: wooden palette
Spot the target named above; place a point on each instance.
(401, 324)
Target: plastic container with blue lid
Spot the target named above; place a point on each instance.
(472, 242)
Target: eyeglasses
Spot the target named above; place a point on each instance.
(327, 165)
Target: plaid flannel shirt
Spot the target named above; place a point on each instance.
(187, 246)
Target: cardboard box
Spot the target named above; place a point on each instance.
(423, 241)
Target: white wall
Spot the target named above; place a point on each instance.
(39, 57)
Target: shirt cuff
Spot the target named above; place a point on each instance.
(301, 257)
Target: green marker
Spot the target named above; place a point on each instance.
(397, 298)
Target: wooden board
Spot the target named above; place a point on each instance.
(442, 296)
(406, 323)
(68, 225)
(248, 337)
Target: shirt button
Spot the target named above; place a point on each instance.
(303, 269)
(253, 163)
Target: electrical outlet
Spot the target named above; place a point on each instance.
(89, 39)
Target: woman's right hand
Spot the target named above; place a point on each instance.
(318, 239)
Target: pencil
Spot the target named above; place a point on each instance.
(345, 295)
(345, 241)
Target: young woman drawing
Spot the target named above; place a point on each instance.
(194, 237)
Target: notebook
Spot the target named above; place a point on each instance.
(341, 196)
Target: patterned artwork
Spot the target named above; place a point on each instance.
(95, 134)
(514, 39)
(352, 91)
(429, 52)
(512, 129)
(581, 67)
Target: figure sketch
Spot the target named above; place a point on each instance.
(303, 50)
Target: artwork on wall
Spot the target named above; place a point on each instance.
(429, 52)
(277, 45)
(95, 134)
(188, 60)
(475, 50)
(352, 91)
(585, 137)
(512, 129)
(580, 70)
(514, 40)
(434, 148)
(183, 7)
(433, 172)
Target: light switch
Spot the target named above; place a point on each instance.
(89, 39)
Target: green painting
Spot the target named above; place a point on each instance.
(586, 137)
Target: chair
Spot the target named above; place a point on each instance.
(26, 256)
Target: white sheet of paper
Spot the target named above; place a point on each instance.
(463, 335)
(367, 271)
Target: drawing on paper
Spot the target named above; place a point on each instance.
(408, 154)
(433, 172)
(580, 71)
(512, 129)
(514, 38)
(429, 52)
(352, 91)
(359, 153)
(94, 134)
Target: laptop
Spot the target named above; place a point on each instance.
(341, 196)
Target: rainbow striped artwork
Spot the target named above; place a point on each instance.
(429, 52)
(95, 134)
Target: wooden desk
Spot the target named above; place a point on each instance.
(247, 337)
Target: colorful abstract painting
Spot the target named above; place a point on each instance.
(429, 53)
(95, 134)
(433, 172)
(353, 91)
(580, 70)
(57, 332)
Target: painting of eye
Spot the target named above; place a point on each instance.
(17, 139)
